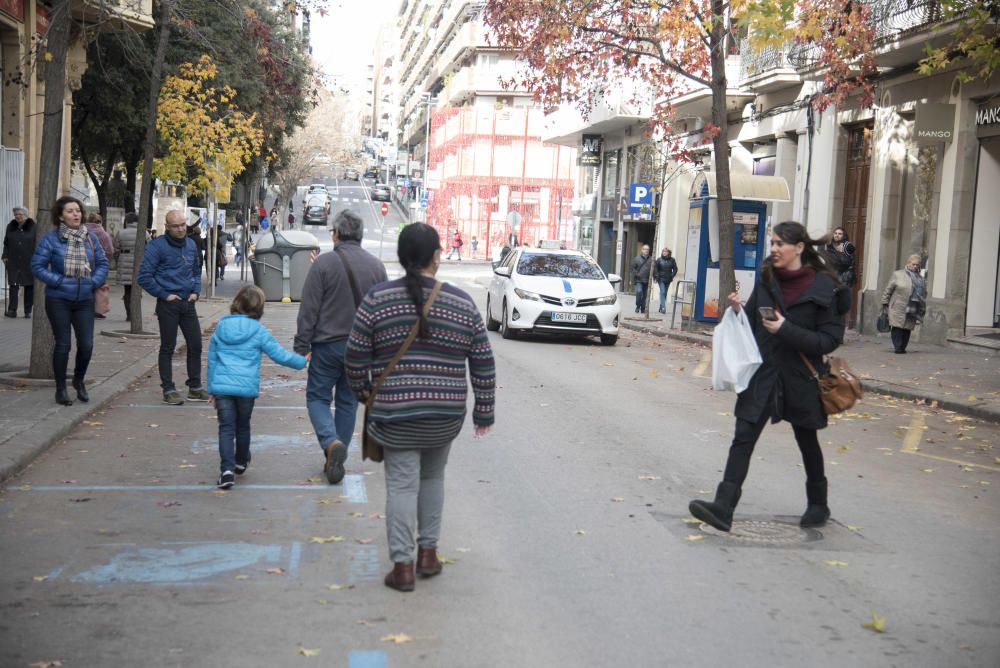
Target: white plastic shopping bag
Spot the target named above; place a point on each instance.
(735, 356)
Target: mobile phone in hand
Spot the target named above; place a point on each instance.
(767, 313)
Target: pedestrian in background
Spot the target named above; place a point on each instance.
(793, 312)
(234, 355)
(840, 252)
(18, 247)
(664, 270)
(417, 414)
(71, 263)
(125, 252)
(475, 245)
(171, 272)
(905, 298)
(333, 288)
(96, 226)
(194, 233)
(642, 268)
(456, 246)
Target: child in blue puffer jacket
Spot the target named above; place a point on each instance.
(234, 355)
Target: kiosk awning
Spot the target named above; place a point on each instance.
(743, 186)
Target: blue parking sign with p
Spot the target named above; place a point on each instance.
(640, 198)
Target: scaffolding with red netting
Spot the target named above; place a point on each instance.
(490, 163)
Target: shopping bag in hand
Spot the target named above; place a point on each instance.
(735, 356)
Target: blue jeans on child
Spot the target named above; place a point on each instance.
(234, 430)
(327, 383)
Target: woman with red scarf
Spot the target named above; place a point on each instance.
(794, 314)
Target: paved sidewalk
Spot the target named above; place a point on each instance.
(31, 421)
(958, 380)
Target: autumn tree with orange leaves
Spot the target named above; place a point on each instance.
(574, 49)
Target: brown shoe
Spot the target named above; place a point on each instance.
(400, 577)
(428, 564)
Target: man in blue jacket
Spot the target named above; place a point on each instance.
(171, 272)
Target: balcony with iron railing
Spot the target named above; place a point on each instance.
(137, 14)
(903, 29)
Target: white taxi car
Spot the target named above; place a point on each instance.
(552, 292)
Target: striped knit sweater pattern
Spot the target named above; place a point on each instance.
(430, 380)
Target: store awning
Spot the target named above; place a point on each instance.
(743, 186)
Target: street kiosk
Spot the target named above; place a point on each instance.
(753, 197)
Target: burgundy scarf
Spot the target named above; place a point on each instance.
(794, 282)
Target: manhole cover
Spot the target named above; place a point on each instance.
(765, 532)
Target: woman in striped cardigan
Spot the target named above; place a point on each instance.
(420, 407)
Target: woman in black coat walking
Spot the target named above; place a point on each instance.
(800, 288)
(18, 247)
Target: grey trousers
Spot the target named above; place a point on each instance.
(414, 491)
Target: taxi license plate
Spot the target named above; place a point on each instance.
(569, 317)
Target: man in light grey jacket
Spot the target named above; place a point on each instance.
(334, 286)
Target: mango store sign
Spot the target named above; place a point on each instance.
(935, 124)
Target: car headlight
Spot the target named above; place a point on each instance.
(524, 294)
(604, 301)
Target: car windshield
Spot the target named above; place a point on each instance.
(563, 266)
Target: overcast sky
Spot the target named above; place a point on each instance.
(343, 41)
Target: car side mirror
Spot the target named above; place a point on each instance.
(614, 278)
(502, 271)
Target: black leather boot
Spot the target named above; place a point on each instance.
(817, 512)
(81, 391)
(62, 397)
(718, 513)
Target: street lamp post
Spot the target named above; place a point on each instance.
(429, 100)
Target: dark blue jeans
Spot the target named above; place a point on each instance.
(171, 315)
(234, 430)
(327, 382)
(64, 314)
(640, 296)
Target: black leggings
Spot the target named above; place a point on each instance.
(746, 437)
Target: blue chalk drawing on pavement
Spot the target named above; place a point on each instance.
(353, 489)
(183, 565)
(366, 564)
(259, 442)
(367, 659)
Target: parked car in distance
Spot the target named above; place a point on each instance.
(371, 173)
(553, 292)
(316, 209)
(381, 193)
(351, 174)
(316, 188)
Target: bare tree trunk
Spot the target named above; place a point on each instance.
(724, 199)
(148, 148)
(57, 45)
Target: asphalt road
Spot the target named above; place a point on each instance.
(380, 231)
(566, 526)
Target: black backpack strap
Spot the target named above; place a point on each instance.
(350, 277)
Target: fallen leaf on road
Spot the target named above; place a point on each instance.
(927, 470)
(45, 664)
(580, 532)
(308, 652)
(188, 466)
(996, 460)
(877, 624)
(691, 520)
(69, 482)
(463, 549)
(93, 423)
(326, 502)
(356, 514)
(446, 560)
(617, 499)
(316, 479)
(275, 571)
(25, 488)
(834, 562)
(973, 397)
(649, 477)
(842, 449)
(708, 491)
(81, 500)
(153, 426)
(258, 532)
(964, 648)
(40, 578)
(329, 539)
(853, 528)
(398, 638)
(365, 541)
(376, 516)
(242, 577)
(340, 587)
(695, 537)
(168, 504)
